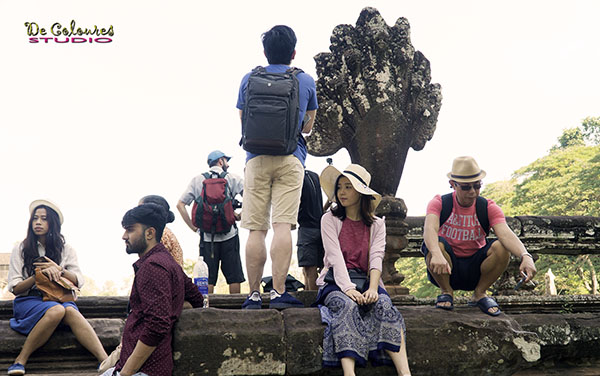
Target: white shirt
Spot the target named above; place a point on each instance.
(194, 190)
(16, 273)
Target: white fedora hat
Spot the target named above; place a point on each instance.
(359, 178)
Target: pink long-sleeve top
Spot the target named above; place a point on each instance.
(330, 231)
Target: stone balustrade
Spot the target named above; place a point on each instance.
(559, 235)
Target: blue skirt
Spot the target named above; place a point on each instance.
(360, 332)
(28, 310)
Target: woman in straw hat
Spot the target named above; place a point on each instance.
(363, 324)
(45, 248)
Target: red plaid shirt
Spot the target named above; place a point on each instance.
(159, 288)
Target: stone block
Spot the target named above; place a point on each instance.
(215, 341)
(304, 340)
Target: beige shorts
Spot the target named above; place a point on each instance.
(271, 181)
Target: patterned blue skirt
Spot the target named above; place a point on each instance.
(28, 310)
(360, 332)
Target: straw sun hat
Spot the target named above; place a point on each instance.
(49, 204)
(359, 178)
(465, 170)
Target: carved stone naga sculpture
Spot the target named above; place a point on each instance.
(376, 100)
(375, 97)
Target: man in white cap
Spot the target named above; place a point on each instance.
(457, 253)
(223, 249)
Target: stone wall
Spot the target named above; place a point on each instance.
(533, 333)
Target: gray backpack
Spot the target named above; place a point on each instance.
(270, 117)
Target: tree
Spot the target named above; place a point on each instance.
(591, 129)
(565, 182)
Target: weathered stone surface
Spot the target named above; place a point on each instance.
(62, 344)
(537, 331)
(541, 234)
(567, 337)
(93, 306)
(375, 97)
(229, 342)
(392, 208)
(457, 343)
(304, 340)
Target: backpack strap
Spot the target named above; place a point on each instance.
(481, 209)
(294, 71)
(447, 205)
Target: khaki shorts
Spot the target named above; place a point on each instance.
(271, 180)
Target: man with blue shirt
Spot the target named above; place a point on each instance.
(273, 183)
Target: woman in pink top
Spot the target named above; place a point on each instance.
(362, 323)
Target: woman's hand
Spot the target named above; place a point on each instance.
(356, 296)
(52, 270)
(371, 295)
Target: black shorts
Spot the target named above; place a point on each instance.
(228, 254)
(466, 271)
(310, 247)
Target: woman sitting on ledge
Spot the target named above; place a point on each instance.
(45, 248)
(362, 323)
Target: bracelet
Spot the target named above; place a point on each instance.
(526, 254)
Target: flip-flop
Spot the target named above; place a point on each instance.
(486, 303)
(442, 299)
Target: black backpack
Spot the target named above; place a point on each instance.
(271, 113)
(481, 209)
(311, 201)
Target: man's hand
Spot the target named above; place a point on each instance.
(527, 268)
(356, 296)
(439, 265)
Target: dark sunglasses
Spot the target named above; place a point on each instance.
(467, 187)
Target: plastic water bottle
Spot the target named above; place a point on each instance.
(201, 279)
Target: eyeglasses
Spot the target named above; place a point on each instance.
(467, 187)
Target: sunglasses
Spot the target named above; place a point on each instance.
(467, 187)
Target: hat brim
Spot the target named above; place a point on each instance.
(329, 177)
(466, 179)
(49, 204)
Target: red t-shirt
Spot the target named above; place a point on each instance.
(354, 242)
(462, 229)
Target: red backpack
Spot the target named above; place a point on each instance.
(213, 212)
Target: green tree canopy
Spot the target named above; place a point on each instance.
(564, 182)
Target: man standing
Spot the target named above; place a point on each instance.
(272, 183)
(156, 299)
(457, 253)
(220, 248)
(310, 244)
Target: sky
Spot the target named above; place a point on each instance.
(96, 126)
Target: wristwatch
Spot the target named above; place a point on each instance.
(526, 254)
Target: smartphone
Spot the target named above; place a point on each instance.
(40, 259)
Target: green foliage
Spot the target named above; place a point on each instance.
(565, 182)
(570, 137)
(590, 127)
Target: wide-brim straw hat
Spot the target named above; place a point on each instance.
(49, 204)
(359, 178)
(465, 170)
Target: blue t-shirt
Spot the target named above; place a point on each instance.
(308, 102)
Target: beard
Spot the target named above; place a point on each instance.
(136, 246)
